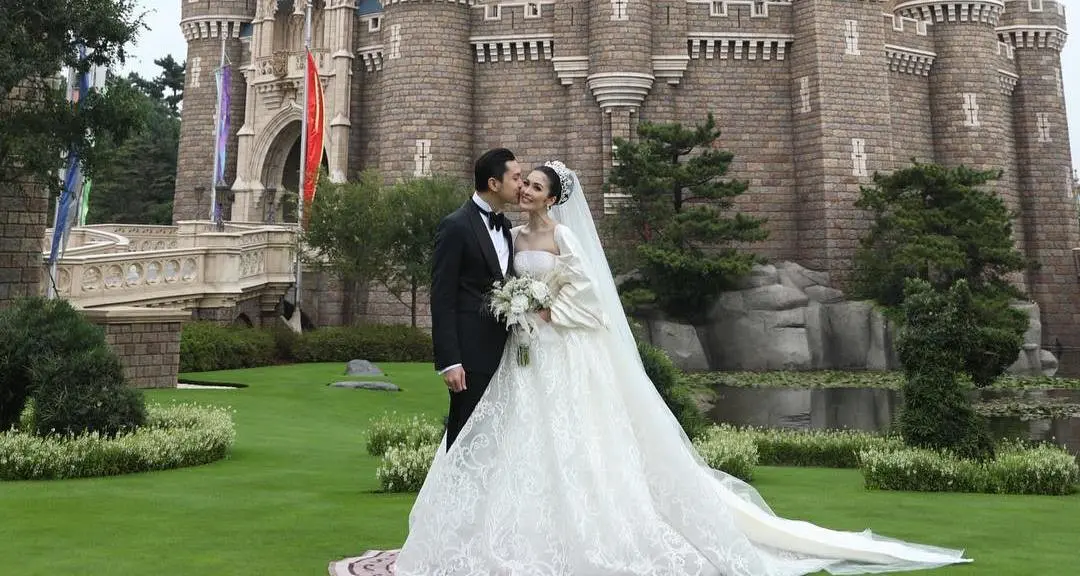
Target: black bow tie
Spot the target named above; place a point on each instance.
(496, 221)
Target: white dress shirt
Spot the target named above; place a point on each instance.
(502, 248)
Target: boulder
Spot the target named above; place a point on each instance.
(682, 344)
(362, 368)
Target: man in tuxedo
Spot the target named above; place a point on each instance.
(473, 250)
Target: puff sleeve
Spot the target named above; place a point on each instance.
(576, 304)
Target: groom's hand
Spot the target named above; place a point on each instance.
(455, 379)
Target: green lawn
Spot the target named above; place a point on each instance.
(299, 491)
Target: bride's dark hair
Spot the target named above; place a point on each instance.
(554, 184)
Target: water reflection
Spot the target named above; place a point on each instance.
(873, 409)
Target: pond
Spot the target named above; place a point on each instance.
(873, 409)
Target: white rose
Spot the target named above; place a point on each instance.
(518, 304)
(539, 291)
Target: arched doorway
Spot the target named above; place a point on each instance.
(281, 173)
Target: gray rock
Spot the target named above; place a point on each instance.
(362, 368)
(801, 277)
(1048, 362)
(367, 385)
(760, 276)
(815, 335)
(847, 334)
(824, 294)
(681, 343)
(761, 340)
(774, 297)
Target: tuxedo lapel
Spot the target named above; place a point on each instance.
(476, 222)
(510, 243)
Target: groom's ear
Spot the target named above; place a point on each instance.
(492, 184)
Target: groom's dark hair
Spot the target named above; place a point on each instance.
(491, 165)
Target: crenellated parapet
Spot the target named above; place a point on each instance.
(520, 48)
(973, 11)
(746, 46)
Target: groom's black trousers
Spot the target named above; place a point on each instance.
(463, 403)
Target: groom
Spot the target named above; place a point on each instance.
(473, 249)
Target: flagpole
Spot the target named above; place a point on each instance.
(295, 320)
(217, 131)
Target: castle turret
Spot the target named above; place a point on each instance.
(207, 24)
(426, 118)
(620, 65)
(1037, 32)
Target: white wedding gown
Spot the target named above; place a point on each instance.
(563, 471)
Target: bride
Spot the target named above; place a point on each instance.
(573, 465)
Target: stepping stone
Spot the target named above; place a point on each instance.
(367, 385)
(362, 368)
(372, 563)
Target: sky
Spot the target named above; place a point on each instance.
(164, 37)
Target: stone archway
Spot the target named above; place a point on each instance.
(281, 169)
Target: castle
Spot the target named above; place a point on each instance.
(812, 97)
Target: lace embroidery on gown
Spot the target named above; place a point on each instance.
(556, 474)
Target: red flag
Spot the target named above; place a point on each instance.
(315, 122)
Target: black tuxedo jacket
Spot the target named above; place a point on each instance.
(466, 265)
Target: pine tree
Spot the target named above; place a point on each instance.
(674, 221)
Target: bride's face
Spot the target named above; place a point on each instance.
(537, 193)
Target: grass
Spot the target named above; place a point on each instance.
(299, 491)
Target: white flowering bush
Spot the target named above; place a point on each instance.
(1017, 469)
(404, 468)
(174, 436)
(728, 449)
(817, 448)
(392, 429)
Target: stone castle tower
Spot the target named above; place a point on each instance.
(812, 97)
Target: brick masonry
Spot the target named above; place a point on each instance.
(23, 208)
(146, 340)
(812, 97)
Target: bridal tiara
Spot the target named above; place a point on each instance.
(566, 179)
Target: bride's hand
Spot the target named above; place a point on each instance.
(545, 314)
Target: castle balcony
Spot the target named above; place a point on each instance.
(289, 65)
(183, 266)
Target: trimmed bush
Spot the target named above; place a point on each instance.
(817, 448)
(1016, 470)
(677, 395)
(205, 346)
(404, 468)
(174, 436)
(729, 450)
(84, 392)
(31, 329)
(390, 430)
(377, 343)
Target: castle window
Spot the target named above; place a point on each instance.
(760, 10)
(1035, 5)
(422, 159)
(718, 9)
(532, 10)
(620, 9)
(374, 24)
(1043, 124)
(971, 110)
(395, 42)
(196, 71)
(492, 12)
(858, 157)
(851, 37)
(804, 94)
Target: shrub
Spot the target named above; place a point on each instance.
(391, 430)
(30, 329)
(935, 343)
(1016, 470)
(84, 392)
(668, 381)
(729, 450)
(817, 448)
(404, 468)
(377, 343)
(174, 436)
(205, 346)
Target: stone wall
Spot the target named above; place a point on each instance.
(23, 209)
(147, 341)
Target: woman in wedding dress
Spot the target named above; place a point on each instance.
(572, 465)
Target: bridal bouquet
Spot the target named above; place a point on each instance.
(516, 301)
